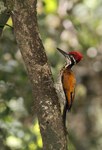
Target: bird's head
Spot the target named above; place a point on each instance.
(72, 58)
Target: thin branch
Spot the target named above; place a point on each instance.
(3, 14)
(2, 26)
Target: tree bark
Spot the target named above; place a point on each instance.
(46, 103)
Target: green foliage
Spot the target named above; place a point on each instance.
(18, 129)
(50, 6)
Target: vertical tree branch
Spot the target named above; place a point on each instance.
(26, 31)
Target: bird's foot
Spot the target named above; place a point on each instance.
(66, 131)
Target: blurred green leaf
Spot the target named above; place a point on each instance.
(50, 6)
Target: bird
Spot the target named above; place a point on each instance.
(66, 80)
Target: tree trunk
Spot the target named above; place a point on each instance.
(46, 103)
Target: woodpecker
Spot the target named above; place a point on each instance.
(66, 80)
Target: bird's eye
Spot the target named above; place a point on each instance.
(71, 56)
(73, 61)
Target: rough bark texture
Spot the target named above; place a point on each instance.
(4, 15)
(39, 72)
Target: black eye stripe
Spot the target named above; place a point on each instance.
(72, 61)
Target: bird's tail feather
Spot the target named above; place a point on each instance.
(64, 113)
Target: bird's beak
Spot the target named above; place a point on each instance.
(62, 52)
